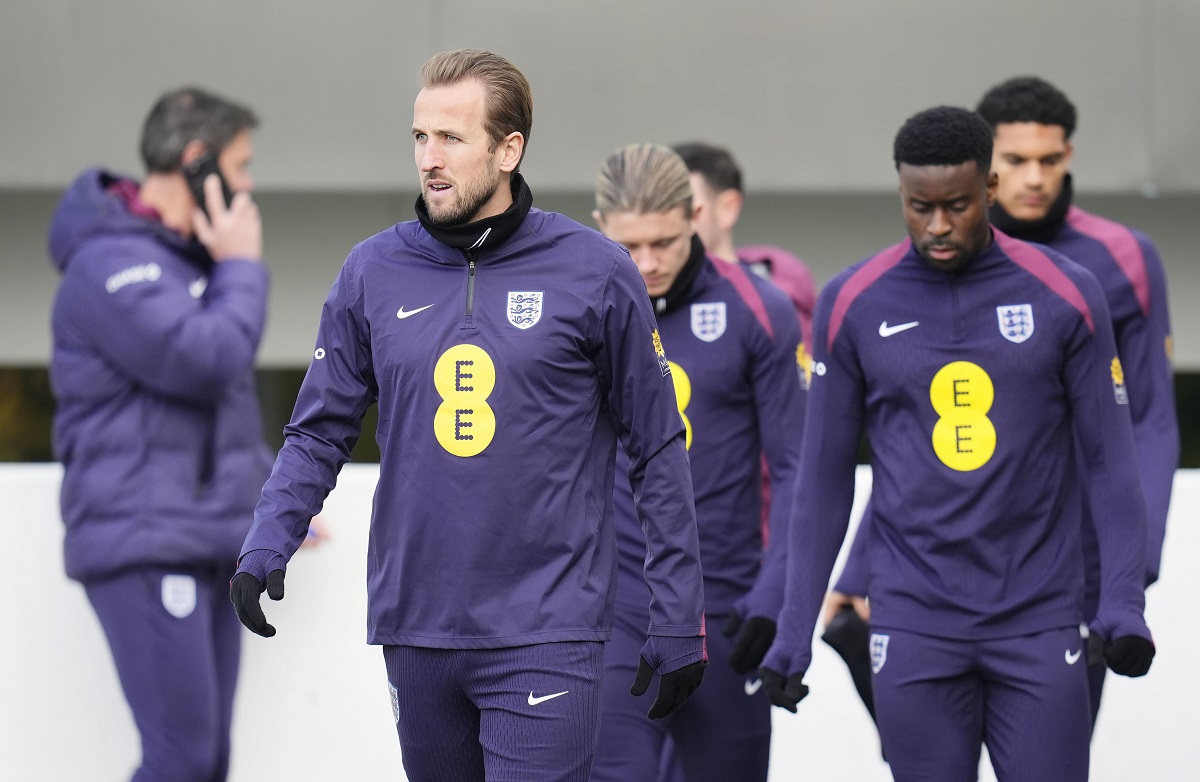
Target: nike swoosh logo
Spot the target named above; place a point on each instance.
(1072, 658)
(753, 686)
(886, 331)
(535, 700)
(402, 314)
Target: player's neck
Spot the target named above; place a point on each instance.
(169, 195)
(723, 250)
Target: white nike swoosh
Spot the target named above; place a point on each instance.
(535, 700)
(752, 687)
(1072, 658)
(402, 314)
(886, 331)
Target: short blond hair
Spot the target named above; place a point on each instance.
(643, 178)
(509, 97)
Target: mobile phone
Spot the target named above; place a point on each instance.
(197, 171)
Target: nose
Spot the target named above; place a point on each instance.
(1033, 174)
(939, 223)
(428, 156)
(644, 259)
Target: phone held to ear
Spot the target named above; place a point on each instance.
(197, 171)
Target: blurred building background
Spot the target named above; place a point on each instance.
(807, 93)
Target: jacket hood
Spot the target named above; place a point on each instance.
(91, 208)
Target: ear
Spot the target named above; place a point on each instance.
(511, 149)
(192, 150)
(729, 209)
(993, 184)
(598, 216)
(697, 210)
(1067, 156)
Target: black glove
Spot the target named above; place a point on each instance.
(673, 688)
(1129, 655)
(850, 637)
(785, 693)
(244, 590)
(751, 646)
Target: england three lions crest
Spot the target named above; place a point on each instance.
(878, 645)
(524, 308)
(1016, 321)
(708, 321)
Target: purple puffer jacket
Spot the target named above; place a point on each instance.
(157, 422)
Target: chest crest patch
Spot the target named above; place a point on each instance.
(708, 321)
(524, 308)
(1016, 321)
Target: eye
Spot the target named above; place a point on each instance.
(419, 137)
(958, 207)
(919, 207)
(449, 137)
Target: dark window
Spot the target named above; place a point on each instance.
(27, 407)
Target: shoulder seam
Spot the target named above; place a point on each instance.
(865, 276)
(1122, 244)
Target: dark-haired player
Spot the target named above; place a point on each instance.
(974, 362)
(1032, 123)
(717, 189)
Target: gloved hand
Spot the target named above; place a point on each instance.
(784, 692)
(1129, 655)
(249, 582)
(679, 663)
(850, 637)
(752, 644)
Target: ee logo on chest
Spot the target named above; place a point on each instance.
(964, 438)
(464, 377)
(683, 397)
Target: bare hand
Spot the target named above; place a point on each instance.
(318, 533)
(836, 601)
(233, 232)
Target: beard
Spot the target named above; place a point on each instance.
(468, 200)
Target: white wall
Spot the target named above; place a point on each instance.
(313, 703)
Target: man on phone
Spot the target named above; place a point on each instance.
(155, 327)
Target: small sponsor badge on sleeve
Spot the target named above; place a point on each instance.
(805, 363)
(660, 354)
(1118, 381)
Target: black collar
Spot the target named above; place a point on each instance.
(490, 231)
(679, 290)
(1041, 231)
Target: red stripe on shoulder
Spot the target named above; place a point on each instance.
(1122, 245)
(739, 277)
(862, 279)
(1039, 265)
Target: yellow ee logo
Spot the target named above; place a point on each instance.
(683, 397)
(464, 377)
(964, 438)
